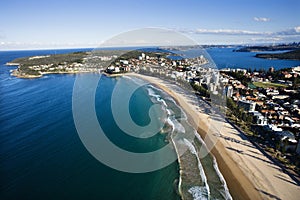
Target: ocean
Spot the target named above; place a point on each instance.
(226, 58)
(42, 156)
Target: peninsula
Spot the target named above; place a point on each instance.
(290, 55)
(69, 63)
(277, 47)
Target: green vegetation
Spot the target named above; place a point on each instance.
(126, 55)
(238, 113)
(52, 59)
(278, 47)
(201, 90)
(36, 66)
(150, 53)
(268, 85)
(239, 76)
(291, 55)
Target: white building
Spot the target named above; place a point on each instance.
(117, 69)
(229, 91)
(258, 118)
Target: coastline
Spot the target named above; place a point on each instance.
(233, 181)
(15, 73)
(26, 76)
(248, 173)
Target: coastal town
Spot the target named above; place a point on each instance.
(150, 100)
(265, 105)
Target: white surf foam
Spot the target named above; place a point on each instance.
(198, 193)
(227, 195)
(176, 126)
(136, 80)
(200, 167)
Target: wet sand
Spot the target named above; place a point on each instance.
(249, 174)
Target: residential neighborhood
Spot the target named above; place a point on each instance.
(268, 101)
(265, 104)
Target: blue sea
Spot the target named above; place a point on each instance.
(41, 154)
(226, 58)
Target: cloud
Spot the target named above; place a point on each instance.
(226, 32)
(261, 19)
(288, 32)
(287, 35)
(13, 45)
(264, 39)
(292, 31)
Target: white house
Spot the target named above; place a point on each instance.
(117, 69)
(258, 118)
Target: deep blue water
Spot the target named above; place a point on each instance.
(41, 155)
(226, 58)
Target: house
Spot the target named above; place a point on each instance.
(272, 92)
(247, 105)
(280, 97)
(117, 69)
(271, 127)
(258, 118)
(287, 140)
(286, 74)
(288, 144)
(229, 90)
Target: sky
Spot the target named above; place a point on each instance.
(36, 24)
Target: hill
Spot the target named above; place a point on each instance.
(291, 55)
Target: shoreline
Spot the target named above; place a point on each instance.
(236, 191)
(15, 73)
(26, 76)
(248, 173)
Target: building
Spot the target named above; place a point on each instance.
(229, 90)
(258, 118)
(247, 105)
(286, 74)
(272, 92)
(117, 69)
(287, 140)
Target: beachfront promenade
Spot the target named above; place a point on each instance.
(248, 172)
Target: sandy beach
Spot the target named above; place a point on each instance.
(249, 174)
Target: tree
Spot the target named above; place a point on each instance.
(249, 119)
(231, 104)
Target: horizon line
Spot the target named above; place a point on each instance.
(104, 47)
